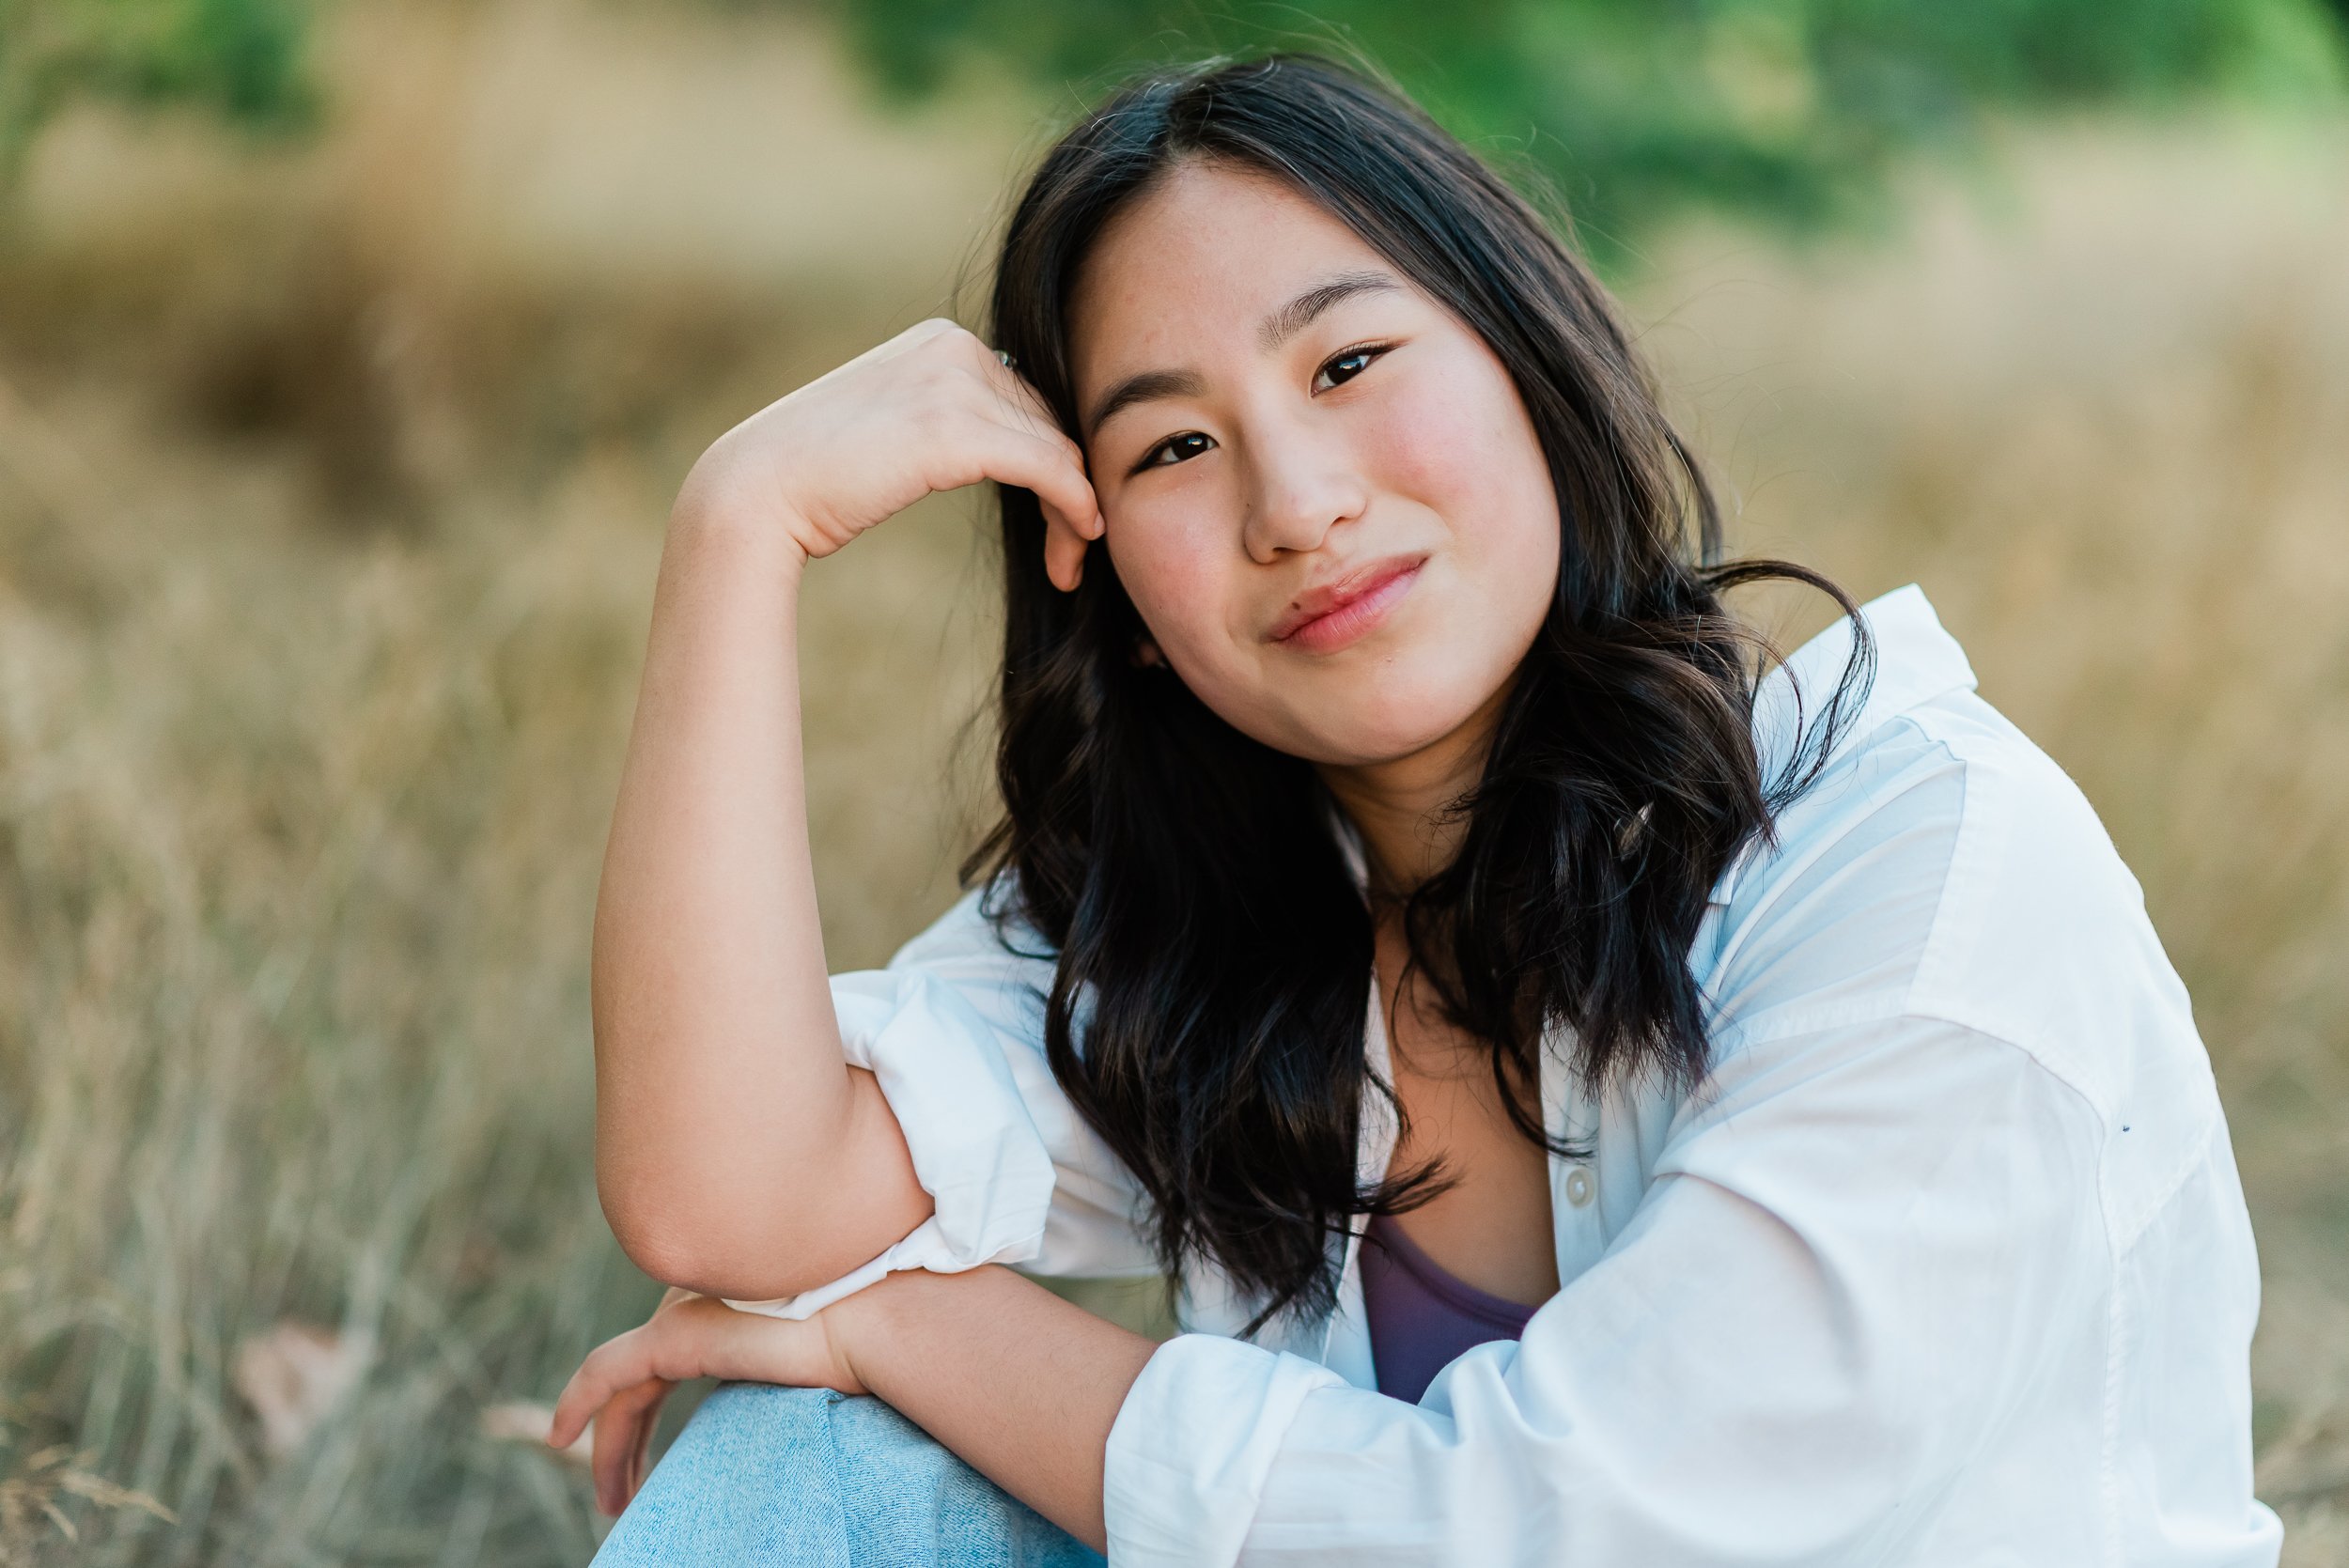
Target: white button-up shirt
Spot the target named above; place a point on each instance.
(1946, 1264)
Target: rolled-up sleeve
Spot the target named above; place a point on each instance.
(953, 1031)
(1859, 1252)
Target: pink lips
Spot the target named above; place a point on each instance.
(1325, 619)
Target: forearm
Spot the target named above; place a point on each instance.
(1020, 1384)
(718, 1062)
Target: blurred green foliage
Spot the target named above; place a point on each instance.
(1789, 109)
(241, 57)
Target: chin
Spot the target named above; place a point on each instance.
(1381, 720)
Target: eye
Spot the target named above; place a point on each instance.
(1343, 367)
(1182, 448)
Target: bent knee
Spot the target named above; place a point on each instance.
(770, 1404)
(767, 1475)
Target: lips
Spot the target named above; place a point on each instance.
(1325, 618)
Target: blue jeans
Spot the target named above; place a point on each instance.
(764, 1477)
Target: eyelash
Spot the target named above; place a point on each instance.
(1372, 351)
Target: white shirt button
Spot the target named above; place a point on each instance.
(1578, 1188)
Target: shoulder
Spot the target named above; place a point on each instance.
(1944, 869)
(1942, 863)
(2043, 936)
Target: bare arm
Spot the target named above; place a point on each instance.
(736, 1153)
(1019, 1383)
(720, 1082)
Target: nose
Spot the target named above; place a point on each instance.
(1302, 484)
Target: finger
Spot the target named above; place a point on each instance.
(646, 1420)
(1025, 410)
(1072, 517)
(615, 1458)
(607, 1460)
(1020, 398)
(1064, 556)
(1069, 487)
(574, 1410)
(576, 1406)
(623, 1433)
(611, 1366)
(641, 1415)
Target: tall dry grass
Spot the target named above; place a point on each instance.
(331, 482)
(2101, 413)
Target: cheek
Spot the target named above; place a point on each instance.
(1462, 445)
(1183, 577)
(1459, 441)
(1176, 576)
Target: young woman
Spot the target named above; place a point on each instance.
(1605, 1099)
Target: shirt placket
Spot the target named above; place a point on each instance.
(1374, 1150)
(1577, 1233)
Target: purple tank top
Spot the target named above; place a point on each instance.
(1422, 1316)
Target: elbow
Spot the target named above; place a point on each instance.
(671, 1263)
(719, 1219)
(664, 1241)
(638, 1217)
(716, 1243)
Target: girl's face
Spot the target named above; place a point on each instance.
(1319, 486)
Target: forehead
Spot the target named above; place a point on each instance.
(1196, 260)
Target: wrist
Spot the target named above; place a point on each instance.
(861, 1328)
(855, 1325)
(710, 518)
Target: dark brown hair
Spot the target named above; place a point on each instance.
(1213, 951)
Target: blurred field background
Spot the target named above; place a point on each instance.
(349, 357)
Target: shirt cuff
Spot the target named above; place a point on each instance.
(975, 1150)
(1192, 1445)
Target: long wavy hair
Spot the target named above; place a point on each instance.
(1214, 950)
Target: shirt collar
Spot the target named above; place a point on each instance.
(1916, 661)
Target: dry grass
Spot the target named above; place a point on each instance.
(2101, 420)
(330, 490)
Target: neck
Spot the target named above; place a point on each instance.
(1401, 807)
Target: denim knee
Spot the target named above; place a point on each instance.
(764, 1475)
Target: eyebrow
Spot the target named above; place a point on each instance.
(1276, 329)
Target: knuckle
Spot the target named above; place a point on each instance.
(949, 340)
